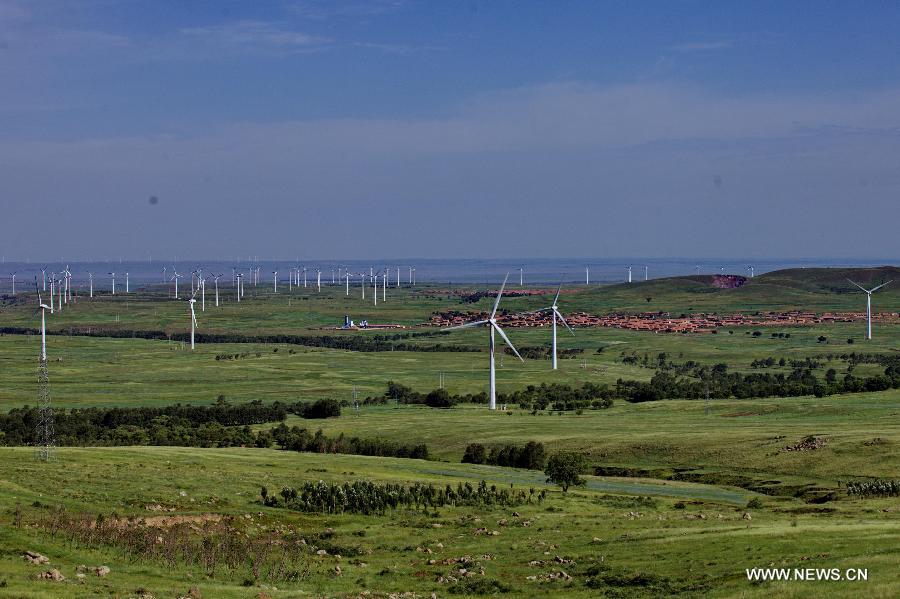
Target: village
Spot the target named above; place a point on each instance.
(664, 322)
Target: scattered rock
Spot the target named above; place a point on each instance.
(102, 571)
(33, 557)
(810, 443)
(321, 552)
(53, 575)
(550, 577)
(502, 522)
(337, 570)
(747, 516)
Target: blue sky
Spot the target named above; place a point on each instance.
(450, 129)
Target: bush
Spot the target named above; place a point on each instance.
(322, 408)
(754, 504)
(439, 398)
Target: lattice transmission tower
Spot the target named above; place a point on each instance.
(45, 433)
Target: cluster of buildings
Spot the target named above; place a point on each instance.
(663, 322)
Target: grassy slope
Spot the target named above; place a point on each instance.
(696, 556)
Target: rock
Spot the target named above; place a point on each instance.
(747, 516)
(502, 522)
(321, 552)
(597, 540)
(102, 571)
(53, 575)
(440, 545)
(33, 557)
(337, 570)
(81, 576)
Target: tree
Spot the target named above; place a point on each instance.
(475, 454)
(439, 398)
(564, 468)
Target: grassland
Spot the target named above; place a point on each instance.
(713, 459)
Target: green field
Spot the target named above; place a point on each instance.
(668, 518)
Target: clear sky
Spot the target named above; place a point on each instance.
(395, 128)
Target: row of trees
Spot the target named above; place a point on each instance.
(299, 439)
(367, 343)
(874, 488)
(365, 497)
(531, 455)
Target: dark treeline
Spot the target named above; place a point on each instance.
(188, 425)
(373, 343)
(556, 396)
(365, 497)
(531, 455)
(559, 397)
(295, 438)
(722, 384)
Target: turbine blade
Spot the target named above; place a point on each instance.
(880, 286)
(860, 286)
(506, 339)
(564, 322)
(497, 301)
(468, 325)
(555, 299)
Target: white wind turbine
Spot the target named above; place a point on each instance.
(275, 279)
(126, 282)
(347, 276)
(191, 302)
(44, 278)
(43, 308)
(362, 284)
(14, 282)
(869, 293)
(375, 288)
(750, 268)
(201, 284)
(175, 278)
(165, 279)
(629, 273)
(646, 273)
(113, 282)
(318, 280)
(554, 310)
(491, 324)
(587, 275)
(216, 281)
(240, 278)
(304, 277)
(90, 278)
(521, 276)
(52, 287)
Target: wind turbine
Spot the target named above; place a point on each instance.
(375, 288)
(629, 273)
(165, 279)
(113, 282)
(587, 275)
(750, 268)
(698, 269)
(869, 293)
(304, 277)
(192, 301)
(491, 324)
(175, 278)
(126, 282)
(521, 276)
(318, 280)
(201, 284)
(44, 278)
(52, 283)
(43, 308)
(240, 278)
(216, 281)
(347, 275)
(275, 279)
(14, 282)
(90, 278)
(554, 310)
(362, 284)
(646, 273)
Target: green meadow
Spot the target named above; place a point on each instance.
(680, 496)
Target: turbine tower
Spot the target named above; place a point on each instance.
(869, 293)
(629, 273)
(491, 324)
(554, 310)
(192, 301)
